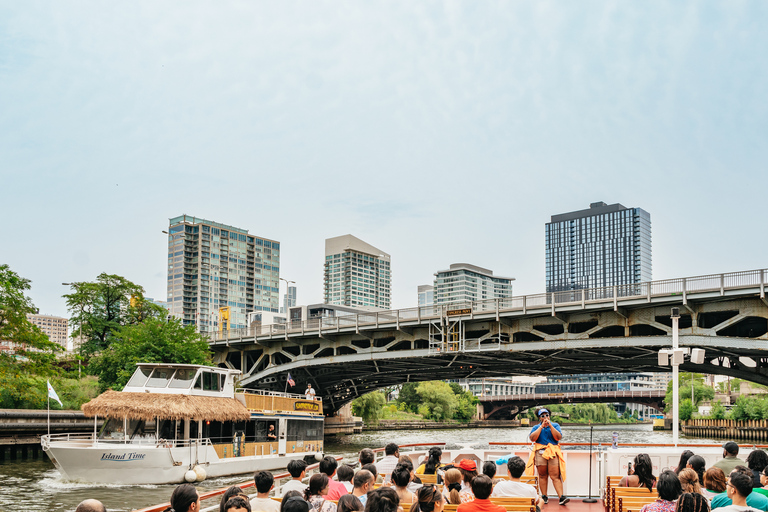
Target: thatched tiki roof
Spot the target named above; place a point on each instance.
(147, 406)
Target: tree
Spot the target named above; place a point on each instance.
(154, 340)
(33, 352)
(408, 397)
(686, 409)
(99, 309)
(369, 406)
(437, 400)
(701, 392)
(718, 411)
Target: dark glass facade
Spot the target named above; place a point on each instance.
(605, 245)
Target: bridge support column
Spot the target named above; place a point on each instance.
(480, 411)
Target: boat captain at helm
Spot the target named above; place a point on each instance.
(547, 455)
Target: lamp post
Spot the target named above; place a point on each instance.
(285, 302)
(80, 334)
(675, 374)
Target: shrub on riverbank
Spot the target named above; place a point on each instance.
(31, 391)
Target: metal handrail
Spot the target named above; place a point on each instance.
(649, 289)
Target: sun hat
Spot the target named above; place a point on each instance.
(467, 465)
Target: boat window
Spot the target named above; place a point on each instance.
(160, 377)
(113, 429)
(139, 377)
(305, 430)
(210, 381)
(183, 378)
(199, 382)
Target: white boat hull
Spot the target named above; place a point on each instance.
(136, 464)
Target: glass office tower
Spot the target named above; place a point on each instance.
(605, 245)
(212, 266)
(356, 274)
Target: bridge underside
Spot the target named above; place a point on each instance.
(509, 409)
(345, 365)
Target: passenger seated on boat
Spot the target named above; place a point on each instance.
(237, 504)
(641, 474)
(388, 463)
(316, 493)
(294, 502)
(754, 500)
(432, 464)
(363, 483)
(401, 477)
(452, 486)
(415, 483)
(232, 491)
(669, 490)
(298, 470)
(468, 470)
(350, 503)
(683, 462)
(383, 499)
(698, 464)
(489, 470)
(184, 499)
(514, 488)
(481, 488)
(336, 489)
(265, 482)
(372, 469)
(739, 489)
(730, 458)
(757, 461)
(689, 481)
(91, 506)
(692, 502)
(763, 489)
(367, 456)
(345, 474)
(714, 483)
(428, 499)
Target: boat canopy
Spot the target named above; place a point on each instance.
(147, 406)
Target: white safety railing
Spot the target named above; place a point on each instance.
(392, 318)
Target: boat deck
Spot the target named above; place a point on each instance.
(575, 505)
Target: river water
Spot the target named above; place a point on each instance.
(35, 485)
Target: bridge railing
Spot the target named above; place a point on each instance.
(647, 290)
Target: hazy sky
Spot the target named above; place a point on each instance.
(439, 132)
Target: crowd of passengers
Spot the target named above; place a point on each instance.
(730, 485)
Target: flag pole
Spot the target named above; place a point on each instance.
(286, 385)
(49, 415)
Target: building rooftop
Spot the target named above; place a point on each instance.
(598, 208)
(343, 243)
(473, 268)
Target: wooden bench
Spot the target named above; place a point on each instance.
(428, 479)
(634, 504)
(641, 493)
(526, 479)
(508, 508)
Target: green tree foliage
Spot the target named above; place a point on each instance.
(31, 391)
(102, 307)
(438, 402)
(369, 406)
(33, 351)
(580, 413)
(155, 340)
(748, 408)
(686, 409)
(718, 411)
(466, 407)
(408, 399)
(701, 391)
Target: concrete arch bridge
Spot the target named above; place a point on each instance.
(613, 329)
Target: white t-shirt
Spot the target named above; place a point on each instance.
(735, 508)
(292, 485)
(264, 505)
(309, 394)
(509, 489)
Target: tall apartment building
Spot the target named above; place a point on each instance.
(212, 266)
(463, 282)
(55, 327)
(357, 274)
(289, 299)
(605, 245)
(426, 295)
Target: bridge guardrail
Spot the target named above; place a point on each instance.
(648, 290)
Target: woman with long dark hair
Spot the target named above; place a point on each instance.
(383, 499)
(683, 462)
(184, 499)
(431, 465)
(316, 492)
(698, 464)
(642, 475)
(692, 502)
(428, 499)
(401, 477)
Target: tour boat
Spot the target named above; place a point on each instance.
(176, 422)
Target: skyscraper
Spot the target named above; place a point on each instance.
(213, 266)
(426, 294)
(356, 273)
(605, 245)
(289, 299)
(463, 282)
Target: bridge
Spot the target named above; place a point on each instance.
(514, 404)
(611, 329)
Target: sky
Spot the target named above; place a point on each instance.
(439, 132)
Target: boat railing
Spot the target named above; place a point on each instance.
(268, 393)
(91, 440)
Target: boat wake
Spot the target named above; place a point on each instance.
(52, 480)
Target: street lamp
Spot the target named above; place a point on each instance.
(285, 302)
(80, 335)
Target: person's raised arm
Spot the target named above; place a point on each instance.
(556, 434)
(534, 436)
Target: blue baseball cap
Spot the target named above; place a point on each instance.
(542, 411)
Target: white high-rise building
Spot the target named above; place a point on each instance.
(463, 282)
(357, 274)
(426, 295)
(289, 300)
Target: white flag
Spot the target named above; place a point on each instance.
(52, 394)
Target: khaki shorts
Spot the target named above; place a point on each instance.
(554, 462)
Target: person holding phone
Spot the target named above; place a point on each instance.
(547, 456)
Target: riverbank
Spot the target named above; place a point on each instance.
(435, 425)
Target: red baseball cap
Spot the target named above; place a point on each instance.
(467, 465)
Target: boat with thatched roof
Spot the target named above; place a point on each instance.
(173, 423)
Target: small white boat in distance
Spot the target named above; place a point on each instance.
(177, 422)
